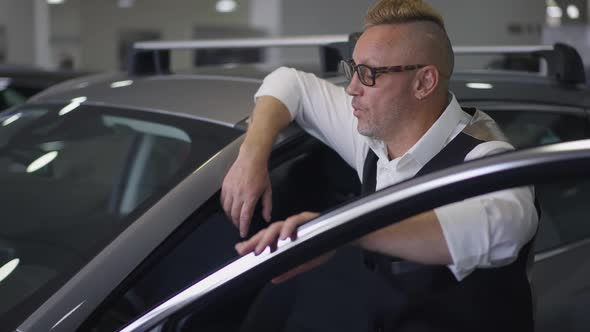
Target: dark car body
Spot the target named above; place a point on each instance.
(18, 83)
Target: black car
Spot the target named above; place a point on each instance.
(18, 83)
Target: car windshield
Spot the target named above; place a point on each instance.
(73, 177)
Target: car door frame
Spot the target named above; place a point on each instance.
(547, 163)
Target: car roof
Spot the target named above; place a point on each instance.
(219, 95)
(518, 87)
(225, 95)
(222, 99)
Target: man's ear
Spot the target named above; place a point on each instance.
(426, 81)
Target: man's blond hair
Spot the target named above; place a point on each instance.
(416, 11)
(401, 11)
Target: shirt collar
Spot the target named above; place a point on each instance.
(432, 141)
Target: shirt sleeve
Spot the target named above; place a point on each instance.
(321, 108)
(488, 230)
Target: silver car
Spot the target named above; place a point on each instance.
(111, 219)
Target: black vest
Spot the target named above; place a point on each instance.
(406, 296)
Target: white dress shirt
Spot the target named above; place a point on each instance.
(481, 232)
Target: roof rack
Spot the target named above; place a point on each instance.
(564, 63)
(153, 57)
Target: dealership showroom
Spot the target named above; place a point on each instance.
(294, 165)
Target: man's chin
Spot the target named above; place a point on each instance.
(366, 132)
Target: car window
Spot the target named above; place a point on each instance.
(564, 214)
(74, 176)
(10, 97)
(206, 240)
(527, 128)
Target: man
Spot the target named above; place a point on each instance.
(395, 120)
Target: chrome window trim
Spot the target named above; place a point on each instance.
(324, 223)
(206, 77)
(313, 40)
(143, 110)
(560, 250)
(521, 106)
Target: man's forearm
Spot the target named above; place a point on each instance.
(270, 116)
(419, 239)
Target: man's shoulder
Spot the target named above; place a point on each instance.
(488, 148)
(484, 128)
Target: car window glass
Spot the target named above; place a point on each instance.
(558, 201)
(74, 176)
(564, 214)
(533, 128)
(206, 240)
(561, 274)
(10, 97)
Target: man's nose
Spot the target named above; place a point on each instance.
(355, 87)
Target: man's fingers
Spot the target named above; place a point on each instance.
(267, 203)
(249, 245)
(269, 238)
(227, 204)
(245, 247)
(294, 221)
(235, 212)
(289, 230)
(246, 217)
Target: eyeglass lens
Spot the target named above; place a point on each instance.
(364, 72)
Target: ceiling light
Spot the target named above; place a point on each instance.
(554, 11)
(79, 99)
(41, 161)
(226, 6)
(125, 3)
(479, 85)
(4, 83)
(55, 2)
(81, 85)
(68, 108)
(120, 84)
(12, 119)
(75, 102)
(573, 12)
(7, 268)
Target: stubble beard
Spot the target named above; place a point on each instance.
(369, 130)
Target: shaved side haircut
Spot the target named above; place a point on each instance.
(414, 11)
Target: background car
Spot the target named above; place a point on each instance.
(18, 83)
(110, 202)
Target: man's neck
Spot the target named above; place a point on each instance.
(403, 141)
(405, 137)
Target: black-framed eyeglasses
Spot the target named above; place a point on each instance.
(368, 74)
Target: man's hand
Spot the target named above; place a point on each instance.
(246, 181)
(282, 230)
